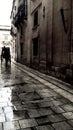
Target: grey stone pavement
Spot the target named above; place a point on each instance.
(30, 100)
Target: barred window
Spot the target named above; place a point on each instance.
(35, 47)
(35, 18)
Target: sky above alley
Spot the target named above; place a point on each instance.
(5, 12)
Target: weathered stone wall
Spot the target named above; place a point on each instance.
(61, 37)
(54, 37)
(53, 31)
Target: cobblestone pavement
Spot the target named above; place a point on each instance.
(30, 100)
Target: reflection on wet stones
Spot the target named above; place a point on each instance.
(23, 112)
(16, 84)
(29, 96)
(21, 83)
(43, 120)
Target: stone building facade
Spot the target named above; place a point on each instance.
(44, 37)
(13, 28)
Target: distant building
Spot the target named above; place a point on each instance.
(5, 37)
(44, 38)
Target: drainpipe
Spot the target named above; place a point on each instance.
(71, 36)
(52, 31)
(71, 42)
(49, 63)
(47, 44)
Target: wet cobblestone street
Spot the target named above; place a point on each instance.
(30, 102)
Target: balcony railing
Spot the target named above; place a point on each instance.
(13, 32)
(21, 15)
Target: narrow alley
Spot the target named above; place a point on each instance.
(30, 100)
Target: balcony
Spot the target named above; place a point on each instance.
(16, 20)
(21, 15)
(23, 11)
(13, 31)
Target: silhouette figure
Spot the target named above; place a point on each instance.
(5, 54)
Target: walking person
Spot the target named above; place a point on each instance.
(3, 53)
(6, 55)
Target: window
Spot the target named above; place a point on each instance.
(25, 7)
(35, 18)
(15, 7)
(44, 12)
(21, 48)
(35, 46)
(21, 30)
(6, 37)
